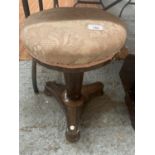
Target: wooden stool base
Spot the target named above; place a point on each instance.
(72, 98)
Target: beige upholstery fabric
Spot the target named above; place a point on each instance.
(61, 36)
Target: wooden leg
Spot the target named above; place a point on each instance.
(72, 97)
(74, 103)
(92, 90)
(34, 78)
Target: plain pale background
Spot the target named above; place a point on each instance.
(145, 77)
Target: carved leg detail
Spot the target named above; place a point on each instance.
(73, 102)
(73, 113)
(73, 96)
(72, 132)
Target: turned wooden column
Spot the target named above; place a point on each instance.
(74, 102)
(73, 84)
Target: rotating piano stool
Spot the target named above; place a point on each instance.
(73, 40)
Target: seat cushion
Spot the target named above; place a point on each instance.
(73, 37)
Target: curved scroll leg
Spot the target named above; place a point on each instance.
(72, 97)
(34, 78)
(73, 101)
(73, 113)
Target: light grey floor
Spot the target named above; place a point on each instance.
(105, 125)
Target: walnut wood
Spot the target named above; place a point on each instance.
(72, 98)
(73, 87)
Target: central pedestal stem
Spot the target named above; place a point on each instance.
(74, 104)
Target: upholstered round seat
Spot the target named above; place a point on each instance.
(73, 37)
